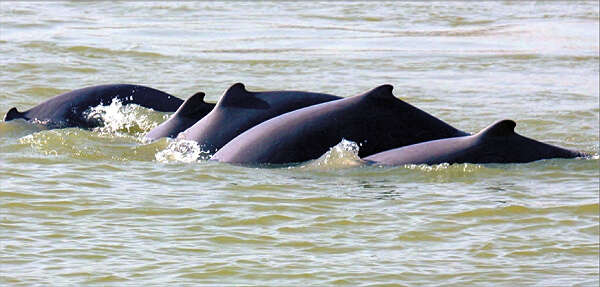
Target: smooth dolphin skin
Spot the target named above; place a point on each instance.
(238, 110)
(376, 121)
(190, 112)
(497, 143)
(68, 109)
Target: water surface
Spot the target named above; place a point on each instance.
(101, 207)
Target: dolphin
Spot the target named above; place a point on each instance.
(191, 111)
(68, 109)
(239, 110)
(498, 143)
(376, 121)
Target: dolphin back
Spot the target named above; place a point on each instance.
(239, 110)
(498, 143)
(67, 110)
(375, 120)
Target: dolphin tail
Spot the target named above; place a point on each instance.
(12, 114)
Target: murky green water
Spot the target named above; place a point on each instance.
(82, 208)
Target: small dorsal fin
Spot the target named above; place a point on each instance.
(192, 105)
(235, 95)
(499, 128)
(380, 92)
(199, 96)
(12, 114)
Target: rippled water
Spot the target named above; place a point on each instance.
(102, 207)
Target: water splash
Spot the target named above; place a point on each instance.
(180, 150)
(120, 119)
(342, 155)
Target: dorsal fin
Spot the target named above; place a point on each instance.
(499, 129)
(12, 114)
(192, 105)
(380, 92)
(235, 95)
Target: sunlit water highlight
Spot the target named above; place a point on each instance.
(103, 207)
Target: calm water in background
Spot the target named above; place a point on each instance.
(102, 207)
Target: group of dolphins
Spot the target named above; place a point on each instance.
(286, 127)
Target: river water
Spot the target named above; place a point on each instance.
(101, 207)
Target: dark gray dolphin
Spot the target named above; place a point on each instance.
(497, 143)
(376, 121)
(239, 110)
(191, 111)
(68, 109)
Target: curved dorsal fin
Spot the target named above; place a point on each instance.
(199, 96)
(236, 94)
(499, 129)
(192, 105)
(380, 92)
(12, 114)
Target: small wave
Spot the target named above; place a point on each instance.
(344, 18)
(182, 151)
(462, 167)
(52, 142)
(19, 128)
(440, 173)
(344, 154)
(86, 50)
(82, 144)
(408, 33)
(174, 7)
(93, 52)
